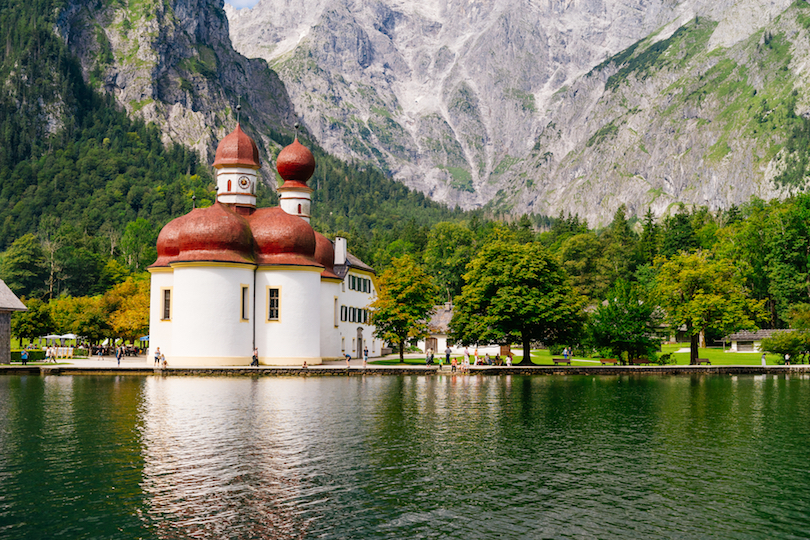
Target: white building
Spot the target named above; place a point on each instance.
(232, 277)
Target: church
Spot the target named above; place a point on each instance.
(232, 277)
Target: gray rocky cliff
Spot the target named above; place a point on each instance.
(500, 103)
(172, 63)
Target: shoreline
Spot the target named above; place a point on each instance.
(341, 370)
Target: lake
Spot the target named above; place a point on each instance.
(466, 457)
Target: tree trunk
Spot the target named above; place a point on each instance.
(693, 348)
(401, 351)
(527, 353)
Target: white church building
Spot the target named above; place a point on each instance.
(232, 277)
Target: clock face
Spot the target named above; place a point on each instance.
(244, 182)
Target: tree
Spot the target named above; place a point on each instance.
(406, 297)
(449, 249)
(625, 323)
(138, 244)
(128, 305)
(701, 293)
(24, 267)
(782, 343)
(515, 293)
(35, 322)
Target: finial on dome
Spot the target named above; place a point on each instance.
(296, 126)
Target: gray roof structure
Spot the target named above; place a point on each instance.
(440, 320)
(351, 262)
(747, 335)
(9, 300)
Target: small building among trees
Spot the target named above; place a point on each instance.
(8, 304)
(747, 341)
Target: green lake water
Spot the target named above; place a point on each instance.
(462, 457)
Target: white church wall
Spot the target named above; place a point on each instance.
(160, 329)
(357, 292)
(236, 185)
(207, 315)
(330, 319)
(294, 335)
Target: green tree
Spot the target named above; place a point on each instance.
(702, 293)
(782, 343)
(515, 293)
(449, 249)
(405, 300)
(650, 239)
(625, 323)
(678, 234)
(35, 322)
(138, 244)
(24, 267)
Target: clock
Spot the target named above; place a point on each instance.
(244, 182)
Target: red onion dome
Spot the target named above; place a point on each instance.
(168, 242)
(282, 238)
(295, 164)
(325, 255)
(237, 149)
(215, 234)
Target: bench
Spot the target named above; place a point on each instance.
(703, 361)
(561, 361)
(609, 361)
(639, 361)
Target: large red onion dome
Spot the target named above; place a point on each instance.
(214, 234)
(282, 238)
(237, 149)
(325, 255)
(168, 242)
(295, 164)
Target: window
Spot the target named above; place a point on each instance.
(273, 303)
(167, 305)
(351, 314)
(343, 344)
(245, 303)
(336, 311)
(343, 311)
(299, 208)
(353, 347)
(229, 186)
(351, 283)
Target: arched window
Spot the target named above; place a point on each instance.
(299, 208)
(229, 185)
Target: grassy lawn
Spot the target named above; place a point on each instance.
(542, 357)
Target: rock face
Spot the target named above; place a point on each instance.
(172, 63)
(515, 104)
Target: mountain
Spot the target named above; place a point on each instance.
(540, 106)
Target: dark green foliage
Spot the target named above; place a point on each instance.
(626, 323)
(23, 267)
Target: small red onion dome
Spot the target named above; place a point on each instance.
(325, 255)
(237, 149)
(282, 238)
(168, 242)
(295, 164)
(214, 234)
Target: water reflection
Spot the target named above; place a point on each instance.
(450, 456)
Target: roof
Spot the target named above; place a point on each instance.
(352, 262)
(9, 300)
(440, 320)
(747, 335)
(237, 149)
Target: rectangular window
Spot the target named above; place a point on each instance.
(351, 314)
(343, 344)
(273, 304)
(352, 283)
(353, 347)
(245, 303)
(343, 313)
(167, 305)
(336, 312)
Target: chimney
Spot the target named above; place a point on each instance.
(340, 250)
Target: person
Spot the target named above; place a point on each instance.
(304, 365)
(429, 357)
(157, 356)
(348, 359)
(787, 359)
(24, 357)
(509, 361)
(476, 356)
(163, 361)
(763, 359)
(453, 364)
(498, 361)
(466, 355)
(99, 353)
(487, 359)
(447, 353)
(365, 357)
(118, 353)
(565, 353)
(255, 361)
